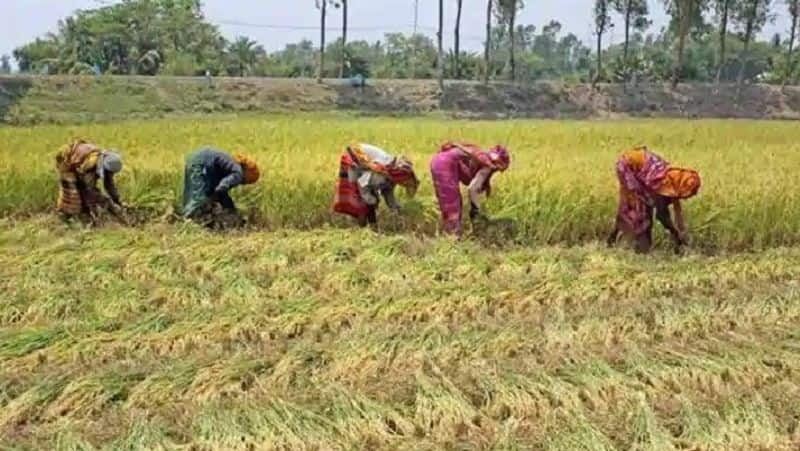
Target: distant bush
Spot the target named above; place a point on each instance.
(182, 64)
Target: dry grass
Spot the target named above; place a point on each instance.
(170, 337)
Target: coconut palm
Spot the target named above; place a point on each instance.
(457, 49)
(506, 13)
(243, 53)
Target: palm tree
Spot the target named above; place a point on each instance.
(344, 38)
(723, 11)
(5, 64)
(602, 22)
(486, 55)
(634, 15)
(794, 12)
(752, 16)
(507, 14)
(322, 6)
(682, 12)
(243, 53)
(457, 68)
(440, 56)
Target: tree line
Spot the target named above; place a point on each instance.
(705, 40)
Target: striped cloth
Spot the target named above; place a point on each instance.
(76, 164)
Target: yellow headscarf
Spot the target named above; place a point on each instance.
(636, 157)
(680, 183)
(249, 168)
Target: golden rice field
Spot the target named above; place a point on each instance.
(302, 333)
(561, 188)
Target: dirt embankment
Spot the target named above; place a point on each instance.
(30, 100)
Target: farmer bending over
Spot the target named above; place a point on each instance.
(80, 165)
(648, 182)
(367, 173)
(455, 164)
(209, 176)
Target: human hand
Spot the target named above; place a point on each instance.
(475, 213)
(117, 207)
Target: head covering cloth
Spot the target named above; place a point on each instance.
(399, 170)
(680, 183)
(110, 162)
(500, 158)
(250, 171)
(642, 174)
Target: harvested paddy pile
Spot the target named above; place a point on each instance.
(170, 336)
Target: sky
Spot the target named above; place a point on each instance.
(273, 23)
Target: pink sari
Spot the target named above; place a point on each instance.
(449, 168)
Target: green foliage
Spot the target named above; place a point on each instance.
(243, 55)
(35, 56)
(547, 54)
(470, 65)
(634, 13)
(749, 17)
(506, 10)
(129, 37)
(295, 60)
(171, 37)
(652, 56)
(602, 24)
(149, 62)
(407, 57)
(5, 64)
(181, 64)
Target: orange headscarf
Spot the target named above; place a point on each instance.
(249, 168)
(680, 183)
(636, 157)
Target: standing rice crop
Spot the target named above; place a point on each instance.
(561, 187)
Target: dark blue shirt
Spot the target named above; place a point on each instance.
(221, 173)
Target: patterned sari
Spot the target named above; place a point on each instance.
(366, 158)
(76, 164)
(643, 175)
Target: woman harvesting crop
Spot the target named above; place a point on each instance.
(209, 176)
(648, 182)
(468, 164)
(367, 173)
(80, 166)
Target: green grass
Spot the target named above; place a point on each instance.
(167, 337)
(561, 188)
